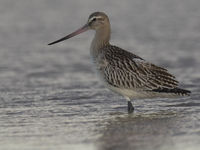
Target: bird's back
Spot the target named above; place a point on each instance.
(133, 77)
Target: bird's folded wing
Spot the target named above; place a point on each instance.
(126, 70)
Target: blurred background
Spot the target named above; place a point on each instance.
(50, 97)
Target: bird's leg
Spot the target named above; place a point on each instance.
(130, 107)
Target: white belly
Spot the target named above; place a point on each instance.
(139, 93)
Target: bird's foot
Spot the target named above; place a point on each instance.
(130, 107)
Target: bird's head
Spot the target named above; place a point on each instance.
(96, 21)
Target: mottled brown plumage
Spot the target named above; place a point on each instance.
(126, 70)
(133, 77)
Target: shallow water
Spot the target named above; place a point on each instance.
(51, 98)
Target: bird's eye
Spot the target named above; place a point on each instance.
(94, 19)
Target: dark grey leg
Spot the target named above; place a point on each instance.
(130, 107)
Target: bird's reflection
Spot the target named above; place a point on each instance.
(146, 131)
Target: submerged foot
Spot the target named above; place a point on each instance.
(130, 107)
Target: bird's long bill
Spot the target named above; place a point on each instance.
(81, 30)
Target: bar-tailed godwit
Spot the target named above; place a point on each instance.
(123, 72)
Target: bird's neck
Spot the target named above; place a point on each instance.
(101, 39)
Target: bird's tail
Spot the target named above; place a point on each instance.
(177, 91)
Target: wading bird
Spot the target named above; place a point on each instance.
(123, 72)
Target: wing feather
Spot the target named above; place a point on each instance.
(126, 70)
